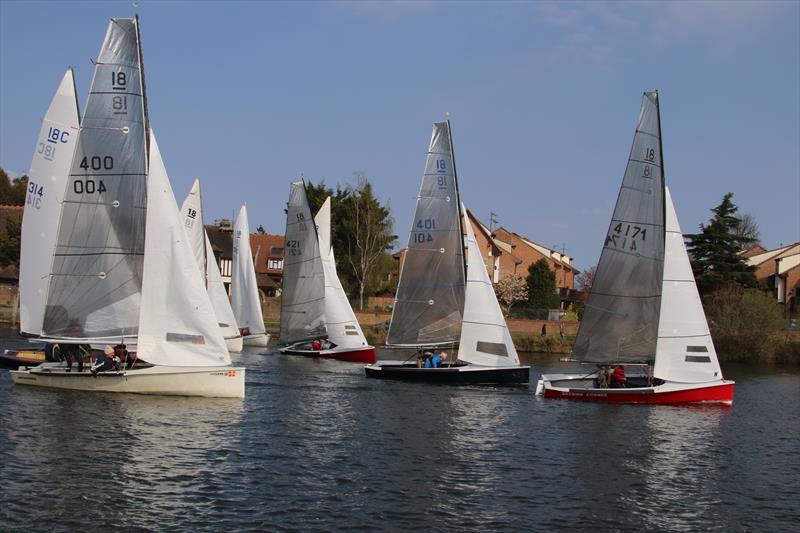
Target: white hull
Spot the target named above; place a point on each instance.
(234, 344)
(211, 382)
(259, 340)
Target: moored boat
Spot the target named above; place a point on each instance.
(644, 312)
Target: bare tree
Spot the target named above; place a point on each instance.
(367, 232)
(748, 229)
(585, 279)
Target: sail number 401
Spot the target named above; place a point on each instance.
(424, 224)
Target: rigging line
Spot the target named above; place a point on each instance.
(644, 162)
(626, 295)
(623, 221)
(484, 323)
(85, 254)
(637, 189)
(125, 93)
(648, 133)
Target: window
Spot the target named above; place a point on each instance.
(275, 251)
(275, 264)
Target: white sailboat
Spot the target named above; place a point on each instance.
(122, 266)
(343, 340)
(644, 311)
(192, 210)
(47, 180)
(245, 299)
(441, 300)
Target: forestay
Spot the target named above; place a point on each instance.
(97, 266)
(244, 287)
(620, 323)
(343, 328)
(303, 296)
(430, 294)
(47, 180)
(177, 327)
(685, 351)
(485, 339)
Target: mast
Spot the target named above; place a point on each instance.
(458, 196)
(661, 157)
(144, 95)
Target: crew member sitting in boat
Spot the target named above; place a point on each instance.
(74, 352)
(435, 360)
(316, 345)
(602, 377)
(107, 361)
(618, 377)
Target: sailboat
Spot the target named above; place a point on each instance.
(47, 180)
(316, 317)
(644, 311)
(122, 267)
(192, 210)
(442, 300)
(244, 287)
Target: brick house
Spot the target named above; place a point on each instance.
(506, 253)
(267, 253)
(778, 270)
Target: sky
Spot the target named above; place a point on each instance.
(543, 98)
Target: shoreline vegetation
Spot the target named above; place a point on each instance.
(740, 337)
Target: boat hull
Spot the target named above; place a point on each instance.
(259, 340)
(364, 355)
(581, 388)
(211, 382)
(466, 374)
(17, 358)
(234, 344)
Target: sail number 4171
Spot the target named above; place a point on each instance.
(625, 237)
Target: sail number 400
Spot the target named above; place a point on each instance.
(88, 186)
(97, 163)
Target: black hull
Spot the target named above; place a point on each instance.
(455, 375)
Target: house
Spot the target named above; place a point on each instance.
(267, 253)
(779, 271)
(506, 253)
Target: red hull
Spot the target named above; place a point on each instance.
(360, 355)
(715, 394)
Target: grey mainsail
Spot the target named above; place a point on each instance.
(96, 275)
(620, 323)
(429, 302)
(303, 295)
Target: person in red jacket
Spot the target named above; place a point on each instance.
(618, 377)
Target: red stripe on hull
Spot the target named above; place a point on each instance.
(714, 394)
(361, 355)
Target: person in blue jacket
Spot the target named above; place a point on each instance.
(435, 360)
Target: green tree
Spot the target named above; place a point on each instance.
(12, 192)
(542, 286)
(10, 240)
(366, 232)
(715, 251)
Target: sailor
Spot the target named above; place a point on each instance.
(105, 362)
(618, 377)
(436, 360)
(602, 377)
(316, 345)
(427, 359)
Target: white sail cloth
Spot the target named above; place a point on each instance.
(192, 212)
(245, 300)
(177, 325)
(47, 181)
(343, 327)
(485, 339)
(685, 351)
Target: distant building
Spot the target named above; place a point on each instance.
(779, 271)
(506, 253)
(267, 253)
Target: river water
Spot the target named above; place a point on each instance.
(316, 446)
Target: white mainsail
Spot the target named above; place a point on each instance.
(343, 327)
(430, 295)
(485, 339)
(303, 296)
(685, 352)
(96, 274)
(245, 300)
(192, 212)
(177, 325)
(47, 181)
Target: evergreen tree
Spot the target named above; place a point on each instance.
(715, 251)
(12, 192)
(10, 240)
(542, 286)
